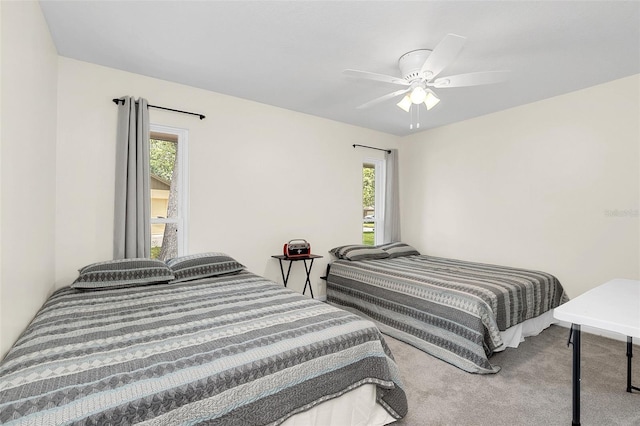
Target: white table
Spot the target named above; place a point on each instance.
(612, 306)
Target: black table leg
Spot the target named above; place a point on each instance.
(630, 388)
(308, 280)
(282, 272)
(576, 374)
(285, 279)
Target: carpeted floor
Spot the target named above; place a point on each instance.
(533, 387)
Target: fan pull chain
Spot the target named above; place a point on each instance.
(417, 114)
(411, 117)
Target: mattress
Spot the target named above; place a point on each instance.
(455, 310)
(233, 349)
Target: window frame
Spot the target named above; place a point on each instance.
(182, 150)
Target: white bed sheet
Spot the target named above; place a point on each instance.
(515, 335)
(357, 407)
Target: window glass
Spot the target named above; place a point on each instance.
(167, 194)
(373, 182)
(368, 204)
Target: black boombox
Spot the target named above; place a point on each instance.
(297, 248)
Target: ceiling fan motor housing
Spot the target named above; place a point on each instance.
(411, 62)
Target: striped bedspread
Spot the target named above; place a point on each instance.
(449, 308)
(230, 350)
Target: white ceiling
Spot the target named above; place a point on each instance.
(291, 54)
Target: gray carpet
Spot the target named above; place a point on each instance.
(533, 387)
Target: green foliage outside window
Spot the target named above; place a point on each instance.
(368, 202)
(368, 186)
(368, 238)
(162, 157)
(155, 252)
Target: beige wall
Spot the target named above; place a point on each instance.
(27, 151)
(258, 175)
(544, 186)
(552, 185)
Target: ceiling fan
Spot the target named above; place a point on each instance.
(419, 69)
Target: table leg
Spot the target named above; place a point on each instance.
(282, 272)
(308, 280)
(576, 374)
(285, 279)
(630, 388)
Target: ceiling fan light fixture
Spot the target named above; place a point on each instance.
(418, 95)
(431, 100)
(405, 103)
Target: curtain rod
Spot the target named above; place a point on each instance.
(202, 117)
(388, 151)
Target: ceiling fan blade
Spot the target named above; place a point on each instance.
(383, 98)
(471, 79)
(442, 55)
(377, 77)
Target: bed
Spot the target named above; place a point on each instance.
(459, 311)
(228, 349)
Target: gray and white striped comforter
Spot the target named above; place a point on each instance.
(449, 308)
(232, 350)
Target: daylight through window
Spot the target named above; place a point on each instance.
(167, 164)
(372, 202)
(368, 203)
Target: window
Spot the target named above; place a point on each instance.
(372, 201)
(168, 183)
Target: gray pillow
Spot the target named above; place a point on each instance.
(358, 252)
(398, 249)
(195, 266)
(123, 273)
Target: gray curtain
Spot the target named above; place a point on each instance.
(391, 199)
(132, 231)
